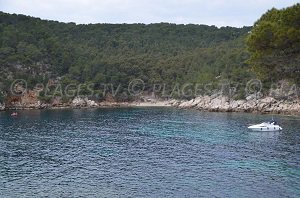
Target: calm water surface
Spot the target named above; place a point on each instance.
(146, 152)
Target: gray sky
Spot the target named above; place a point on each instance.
(211, 12)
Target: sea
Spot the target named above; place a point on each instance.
(147, 152)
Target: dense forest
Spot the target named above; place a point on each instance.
(38, 50)
(274, 45)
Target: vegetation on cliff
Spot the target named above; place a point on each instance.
(47, 52)
(38, 50)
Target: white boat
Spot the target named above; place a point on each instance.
(266, 126)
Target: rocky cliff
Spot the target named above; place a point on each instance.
(217, 103)
(27, 100)
(30, 100)
(251, 104)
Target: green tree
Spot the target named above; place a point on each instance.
(37, 50)
(274, 45)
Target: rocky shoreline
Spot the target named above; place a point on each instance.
(217, 103)
(24, 103)
(251, 105)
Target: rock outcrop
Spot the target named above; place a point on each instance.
(28, 100)
(251, 104)
(83, 102)
(217, 102)
(2, 107)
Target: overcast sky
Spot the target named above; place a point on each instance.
(236, 13)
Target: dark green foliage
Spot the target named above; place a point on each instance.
(45, 97)
(274, 44)
(2, 97)
(118, 53)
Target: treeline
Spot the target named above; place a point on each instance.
(38, 50)
(274, 45)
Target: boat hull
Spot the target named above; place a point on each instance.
(265, 127)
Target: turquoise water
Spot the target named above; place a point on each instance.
(146, 152)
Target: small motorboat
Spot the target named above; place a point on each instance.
(266, 126)
(14, 114)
